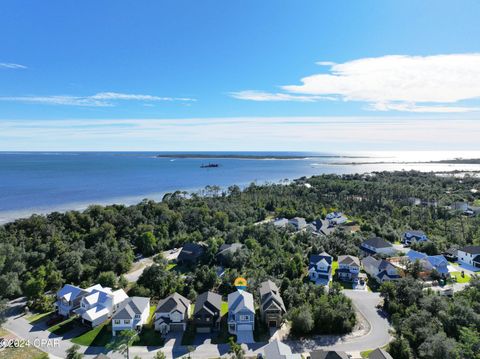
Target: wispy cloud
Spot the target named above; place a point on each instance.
(437, 83)
(254, 95)
(9, 65)
(101, 99)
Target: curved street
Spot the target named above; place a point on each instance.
(377, 335)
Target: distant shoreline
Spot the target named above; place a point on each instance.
(248, 157)
(460, 161)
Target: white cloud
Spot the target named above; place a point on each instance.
(253, 95)
(101, 99)
(8, 65)
(401, 83)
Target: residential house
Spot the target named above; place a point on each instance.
(320, 268)
(459, 206)
(336, 218)
(469, 255)
(172, 314)
(227, 251)
(430, 263)
(280, 222)
(410, 237)
(68, 299)
(298, 222)
(380, 269)
(207, 312)
(348, 268)
(328, 354)
(133, 314)
(278, 350)
(451, 254)
(377, 245)
(241, 316)
(379, 354)
(272, 308)
(191, 253)
(100, 304)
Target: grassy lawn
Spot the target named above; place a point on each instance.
(366, 353)
(459, 277)
(151, 317)
(22, 353)
(345, 285)
(224, 309)
(170, 266)
(63, 327)
(38, 316)
(334, 267)
(149, 337)
(98, 336)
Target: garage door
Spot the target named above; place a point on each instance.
(203, 329)
(245, 336)
(176, 327)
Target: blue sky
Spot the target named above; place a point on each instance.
(127, 75)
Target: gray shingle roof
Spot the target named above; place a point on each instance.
(132, 306)
(173, 302)
(348, 260)
(471, 249)
(379, 354)
(210, 301)
(377, 242)
(322, 354)
(269, 293)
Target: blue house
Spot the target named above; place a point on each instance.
(430, 263)
(241, 316)
(412, 236)
(320, 268)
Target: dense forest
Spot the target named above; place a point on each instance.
(41, 253)
(430, 326)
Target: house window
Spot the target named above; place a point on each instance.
(244, 318)
(126, 321)
(116, 321)
(137, 316)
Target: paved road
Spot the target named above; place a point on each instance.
(365, 302)
(377, 336)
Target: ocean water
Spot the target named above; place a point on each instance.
(41, 182)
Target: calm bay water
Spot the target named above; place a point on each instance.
(43, 182)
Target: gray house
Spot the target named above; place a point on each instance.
(172, 314)
(227, 251)
(191, 253)
(272, 308)
(207, 312)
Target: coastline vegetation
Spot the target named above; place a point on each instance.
(41, 253)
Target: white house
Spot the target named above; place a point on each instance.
(469, 255)
(132, 314)
(377, 245)
(68, 299)
(320, 268)
(241, 316)
(172, 314)
(100, 304)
